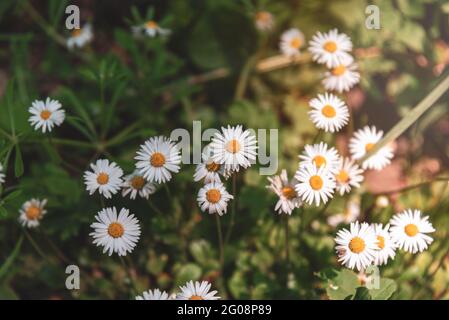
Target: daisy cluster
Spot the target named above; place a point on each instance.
(322, 171)
(190, 291)
(375, 244)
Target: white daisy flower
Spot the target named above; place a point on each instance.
(197, 291)
(320, 155)
(116, 234)
(264, 20)
(233, 148)
(157, 158)
(32, 212)
(208, 170)
(314, 184)
(214, 198)
(363, 141)
(385, 245)
(341, 78)
(2, 175)
(80, 37)
(46, 114)
(291, 41)
(135, 184)
(331, 48)
(409, 231)
(348, 175)
(351, 214)
(328, 112)
(155, 294)
(152, 29)
(356, 247)
(106, 177)
(285, 190)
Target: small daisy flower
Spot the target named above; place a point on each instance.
(152, 29)
(234, 148)
(105, 176)
(350, 214)
(157, 158)
(2, 175)
(409, 231)
(348, 175)
(264, 20)
(208, 170)
(285, 190)
(197, 291)
(385, 245)
(80, 37)
(135, 184)
(356, 247)
(328, 112)
(331, 48)
(155, 294)
(341, 78)
(46, 114)
(314, 184)
(320, 155)
(116, 234)
(363, 141)
(291, 41)
(214, 198)
(32, 212)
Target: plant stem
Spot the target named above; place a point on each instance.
(132, 286)
(35, 245)
(154, 208)
(411, 117)
(234, 204)
(220, 242)
(287, 242)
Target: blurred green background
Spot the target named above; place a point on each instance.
(207, 70)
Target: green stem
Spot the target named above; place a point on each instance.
(411, 117)
(154, 208)
(234, 205)
(35, 245)
(220, 242)
(287, 242)
(132, 287)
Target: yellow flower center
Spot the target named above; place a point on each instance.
(76, 32)
(342, 177)
(194, 297)
(137, 182)
(263, 16)
(45, 114)
(213, 167)
(33, 213)
(328, 111)
(357, 245)
(330, 46)
(233, 146)
(288, 192)
(369, 146)
(102, 178)
(116, 230)
(319, 161)
(295, 43)
(380, 242)
(316, 182)
(157, 159)
(151, 24)
(213, 195)
(411, 230)
(339, 70)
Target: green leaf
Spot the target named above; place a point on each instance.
(343, 285)
(385, 291)
(188, 272)
(361, 293)
(3, 212)
(12, 195)
(8, 262)
(18, 163)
